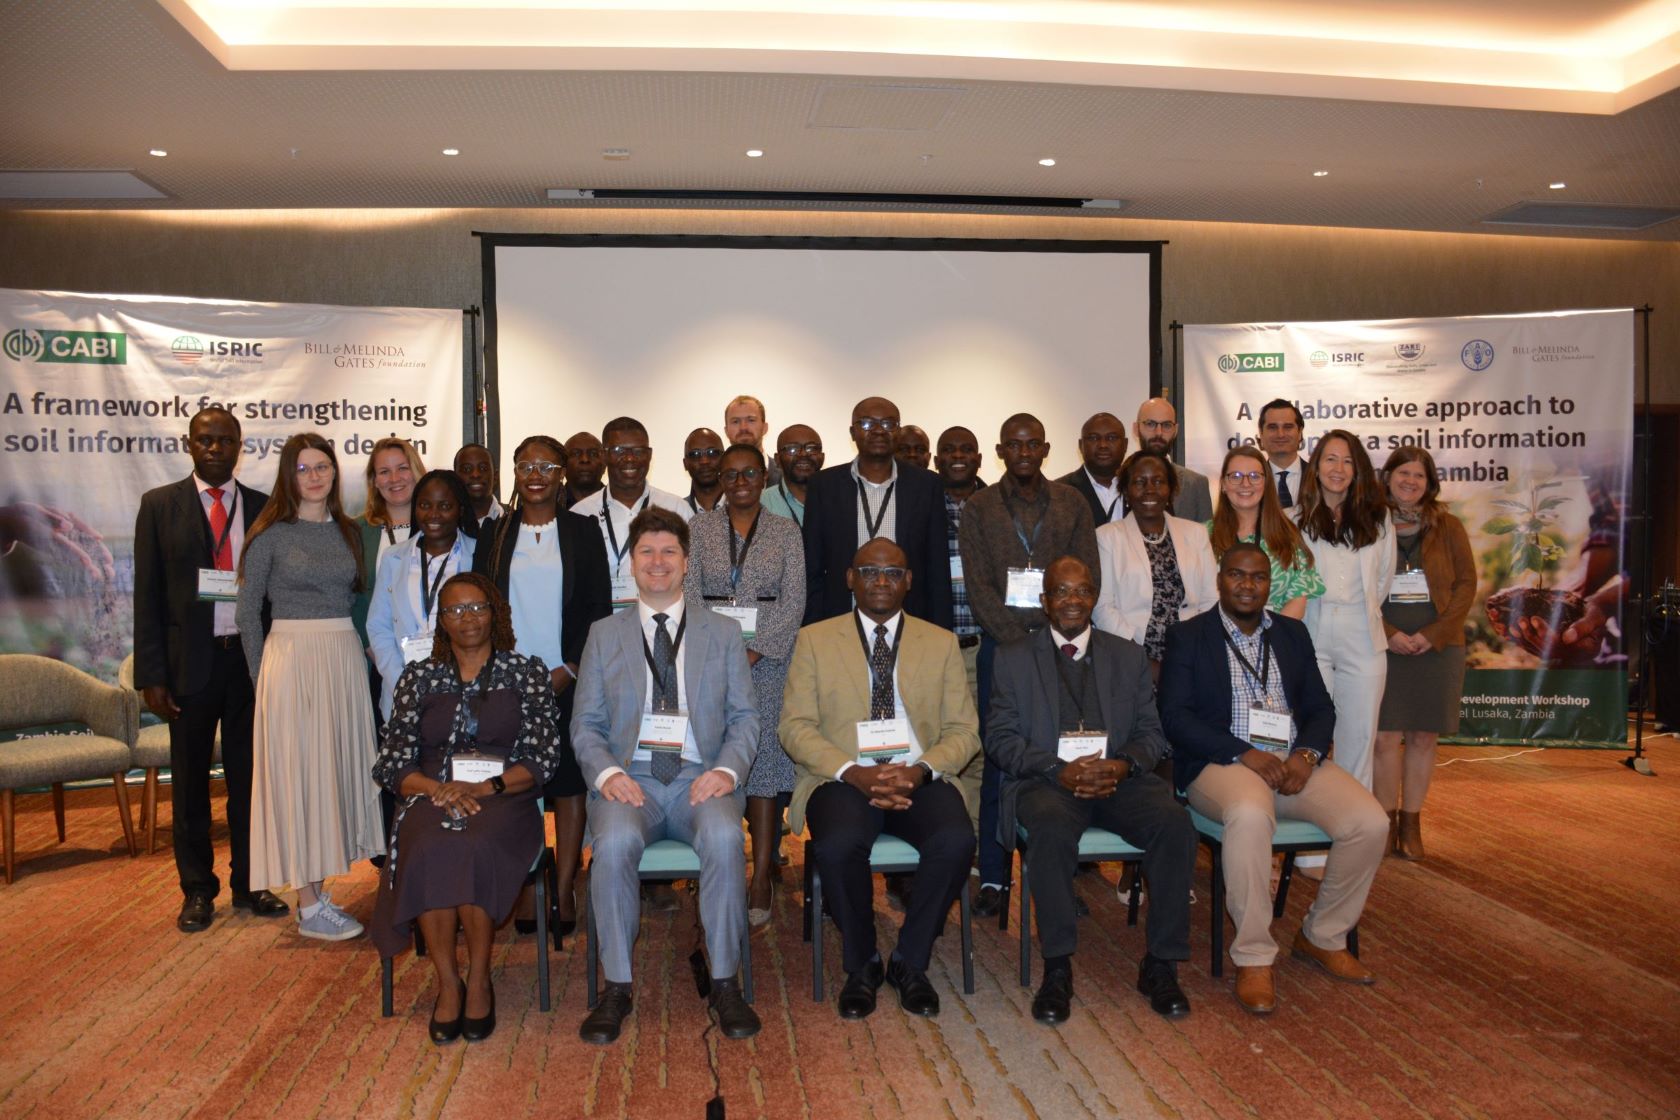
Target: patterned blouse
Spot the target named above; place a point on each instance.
(1169, 593)
(1300, 579)
(537, 744)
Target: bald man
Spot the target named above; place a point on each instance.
(1156, 429)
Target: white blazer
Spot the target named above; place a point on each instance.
(394, 611)
(1376, 573)
(1128, 589)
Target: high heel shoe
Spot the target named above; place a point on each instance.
(450, 1031)
(761, 917)
(477, 1030)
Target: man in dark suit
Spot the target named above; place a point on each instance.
(1102, 448)
(189, 664)
(1073, 729)
(874, 496)
(1251, 724)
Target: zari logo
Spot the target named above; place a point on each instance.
(109, 348)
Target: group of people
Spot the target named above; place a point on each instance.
(873, 647)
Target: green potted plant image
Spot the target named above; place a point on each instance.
(1532, 615)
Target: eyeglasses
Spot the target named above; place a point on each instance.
(1074, 591)
(626, 451)
(751, 474)
(1237, 478)
(870, 573)
(1157, 425)
(464, 610)
(875, 424)
(798, 449)
(529, 467)
(319, 470)
(703, 453)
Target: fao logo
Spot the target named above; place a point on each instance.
(22, 345)
(1228, 363)
(1477, 354)
(187, 349)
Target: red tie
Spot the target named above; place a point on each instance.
(1071, 650)
(218, 531)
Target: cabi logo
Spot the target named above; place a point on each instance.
(1251, 363)
(1477, 354)
(187, 349)
(107, 348)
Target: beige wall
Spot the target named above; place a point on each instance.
(1212, 272)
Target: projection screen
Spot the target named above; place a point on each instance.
(579, 330)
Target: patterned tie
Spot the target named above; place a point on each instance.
(1070, 649)
(1285, 498)
(665, 763)
(880, 667)
(218, 527)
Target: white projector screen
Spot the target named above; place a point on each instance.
(581, 330)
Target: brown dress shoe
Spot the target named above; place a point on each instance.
(1393, 848)
(1254, 988)
(1410, 844)
(1339, 963)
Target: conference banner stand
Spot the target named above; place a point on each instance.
(1530, 421)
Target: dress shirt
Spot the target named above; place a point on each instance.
(895, 633)
(224, 625)
(621, 515)
(877, 492)
(536, 579)
(1294, 471)
(1081, 645)
(459, 558)
(779, 499)
(1245, 690)
(1339, 565)
(962, 615)
(1108, 495)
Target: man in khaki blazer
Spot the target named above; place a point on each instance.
(877, 718)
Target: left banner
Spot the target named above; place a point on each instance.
(95, 395)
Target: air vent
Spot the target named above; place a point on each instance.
(1576, 215)
(87, 186)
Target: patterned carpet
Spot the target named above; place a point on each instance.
(1527, 969)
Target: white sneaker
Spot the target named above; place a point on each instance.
(329, 923)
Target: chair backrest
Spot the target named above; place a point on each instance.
(40, 690)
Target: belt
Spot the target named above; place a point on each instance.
(967, 641)
(227, 641)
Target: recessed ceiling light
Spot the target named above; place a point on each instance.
(159, 152)
(754, 153)
(1557, 186)
(1320, 174)
(452, 151)
(1047, 162)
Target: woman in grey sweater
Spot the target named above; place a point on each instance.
(313, 809)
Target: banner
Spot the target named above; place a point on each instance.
(1530, 420)
(96, 392)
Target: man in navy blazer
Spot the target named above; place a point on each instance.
(1251, 727)
(665, 728)
(874, 495)
(189, 664)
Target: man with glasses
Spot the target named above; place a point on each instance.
(744, 421)
(627, 493)
(585, 460)
(875, 496)
(799, 454)
(877, 717)
(1010, 533)
(1156, 429)
(912, 447)
(1102, 448)
(1281, 432)
(702, 459)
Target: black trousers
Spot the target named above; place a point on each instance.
(227, 699)
(1142, 811)
(844, 827)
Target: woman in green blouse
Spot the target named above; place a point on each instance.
(1249, 511)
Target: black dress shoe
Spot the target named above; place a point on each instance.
(1080, 908)
(264, 904)
(1158, 980)
(196, 913)
(990, 901)
(450, 1031)
(477, 1030)
(857, 996)
(735, 1016)
(525, 925)
(602, 1025)
(1054, 1001)
(915, 991)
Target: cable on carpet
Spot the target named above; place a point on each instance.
(1495, 758)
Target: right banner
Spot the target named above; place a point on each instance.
(1530, 420)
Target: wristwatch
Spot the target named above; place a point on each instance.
(497, 786)
(1316, 756)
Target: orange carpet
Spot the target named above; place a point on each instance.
(1527, 969)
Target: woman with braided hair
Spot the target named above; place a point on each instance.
(472, 735)
(549, 565)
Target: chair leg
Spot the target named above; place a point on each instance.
(58, 808)
(148, 808)
(8, 814)
(1135, 898)
(746, 962)
(385, 1000)
(593, 957)
(1026, 927)
(539, 894)
(120, 780)
(1218, 909)
(805, 906)
(816, 934)
(1284, 877)
(964, 903)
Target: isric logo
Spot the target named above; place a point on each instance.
(1251, 363)
(108, 348)
(187, 349)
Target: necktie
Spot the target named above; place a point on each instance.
(1071, 650)
(1285, 498)
(218, 530)
(880, 667)
(665, 763)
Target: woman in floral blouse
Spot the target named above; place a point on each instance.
(1249, 510)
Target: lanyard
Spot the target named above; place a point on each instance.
(676, 644)
(1265, 672)
(429, 587)
(1109, 516)
(390, 533)
(736, 563)
(694, 506)
(869, 651)
(787, 499)
(216, 543)
(1038, 526)
(870, 522)
(612, 537)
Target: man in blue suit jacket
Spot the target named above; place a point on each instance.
(665, 727)
(1251, 727)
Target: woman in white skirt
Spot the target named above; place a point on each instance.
(313, 810)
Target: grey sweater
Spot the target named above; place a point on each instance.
(303, 568)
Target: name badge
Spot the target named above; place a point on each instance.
(1025, 586)
(956, 568)
(623, 593)
(661, 733)
(1409, 587)
(416, 647)
(475, 767)
(1270, 731)
(217, 586)
(1075, 745)
(885, 740)
(747, 617)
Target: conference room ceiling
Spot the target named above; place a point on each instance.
(95, 86)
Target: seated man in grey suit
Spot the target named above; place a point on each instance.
(1073, 728)
(665, 729)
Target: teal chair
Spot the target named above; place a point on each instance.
(888, 856)
(1096, 845)
(664, 859)
(1290, 838)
